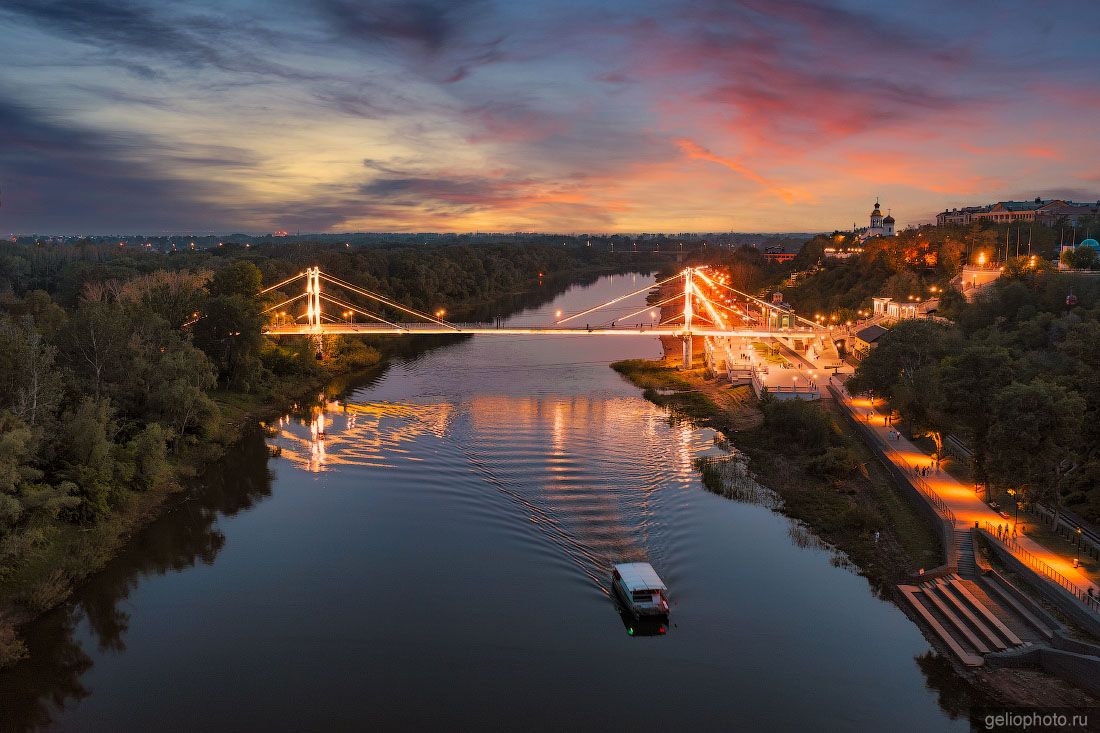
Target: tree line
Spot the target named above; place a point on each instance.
(1014, 376)
(120, 370)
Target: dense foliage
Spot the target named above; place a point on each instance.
(118, 367)
(1015, 377)
(917, 263)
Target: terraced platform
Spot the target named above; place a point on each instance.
(975, 617)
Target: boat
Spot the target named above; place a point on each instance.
(640, 589)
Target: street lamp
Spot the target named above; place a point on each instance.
(1012, 493)
(1077, 559)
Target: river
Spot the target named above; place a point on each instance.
(440, 560)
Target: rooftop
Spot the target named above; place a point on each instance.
(639, 576)
(871, 333)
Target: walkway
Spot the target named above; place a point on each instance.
(963, 500)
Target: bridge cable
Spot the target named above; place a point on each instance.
(758, 300)
(651, 307)
(616, 300)
(368, 314)
(374, 296)
(284, 282)
(288, 300)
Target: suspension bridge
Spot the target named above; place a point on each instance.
(694, 303)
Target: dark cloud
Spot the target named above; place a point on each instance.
(458, 191)
(587, 109)
(134, 35)
(1082, 195)
(446, 39)
(64, 178)
(126, 25)
(433, 25)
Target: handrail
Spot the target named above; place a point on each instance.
(892, 457)
(1025, 556)
(924, 487)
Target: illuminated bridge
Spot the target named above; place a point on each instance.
(697, 303)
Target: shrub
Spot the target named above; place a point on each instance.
(834, 463)
(804, 424)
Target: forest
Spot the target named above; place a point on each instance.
(1014, 376)
(918, 263)
(124, 370)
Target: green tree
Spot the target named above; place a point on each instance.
(240, 278)
(94, 345)
(1034, 433)
(952, 303)
(903, 368)
(30, 385)
(229, 333)
(179, 397)
(85, 456)
(969, 382)
(147, 452)
(1081, 258)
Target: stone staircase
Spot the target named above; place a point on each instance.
(966, 619)
(964, 543)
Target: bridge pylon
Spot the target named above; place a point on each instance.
(313, 309)
(688, 293)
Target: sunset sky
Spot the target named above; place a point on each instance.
(336, 115)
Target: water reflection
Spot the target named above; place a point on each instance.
(536, 452)
(185, 536)
(490, 484)
(341, 433)
(638, 627)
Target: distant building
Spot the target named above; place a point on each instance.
(891, 308)
(835, 253)
(280, 233)
(881, 226)
(1044, 211)
(775, 254)
(866, 339)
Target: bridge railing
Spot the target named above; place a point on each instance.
(1040, 566)
(902, 470)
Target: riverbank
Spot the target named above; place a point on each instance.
(77, 553)
(835, 488)
(860, 513)
(68, 554)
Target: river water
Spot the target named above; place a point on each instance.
(441, 558)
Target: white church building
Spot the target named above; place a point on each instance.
(881, 226)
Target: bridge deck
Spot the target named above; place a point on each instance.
(459, 329)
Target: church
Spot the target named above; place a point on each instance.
(881, 226)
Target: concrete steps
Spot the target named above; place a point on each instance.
(959, 618)
(1009, 599)
(913, 594)
(964, 541)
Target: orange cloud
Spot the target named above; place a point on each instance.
(698, 152)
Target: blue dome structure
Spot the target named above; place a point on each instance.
(1090, 243)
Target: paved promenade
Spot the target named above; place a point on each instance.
(962, 499)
